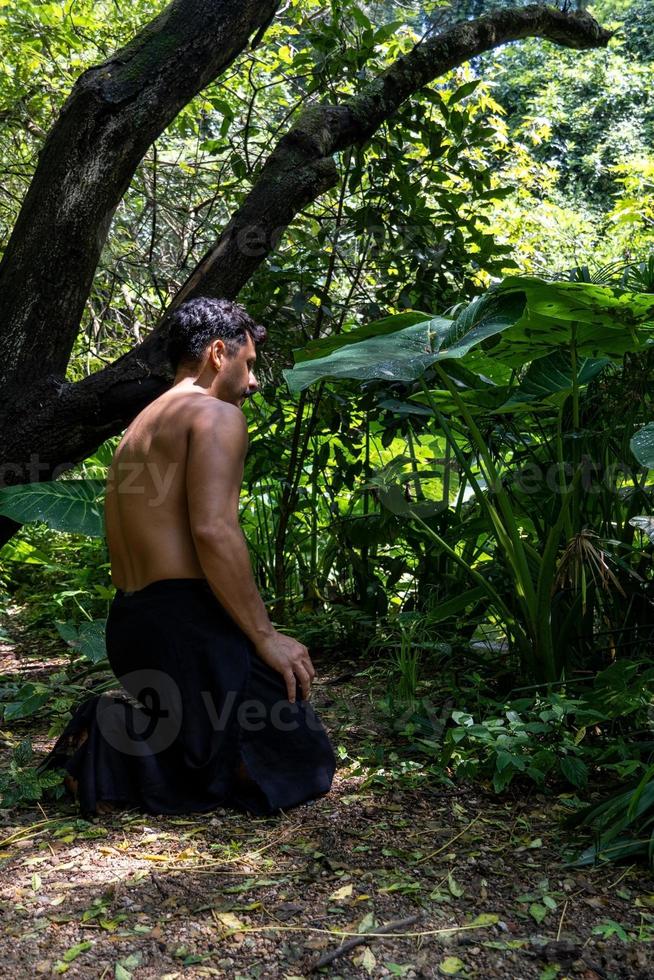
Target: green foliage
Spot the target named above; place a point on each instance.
(557, 736)
(64, 577)
(642, 446)
(409, 645)
(64, 505)
(88, 638)
(22, 783)
(53, 698)
(405, 353)
(534, 745)
(565, 334)
(622, 824)
(579, 136)
(471, 471)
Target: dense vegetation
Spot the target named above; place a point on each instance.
(453, 478)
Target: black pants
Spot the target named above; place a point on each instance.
(203, 705)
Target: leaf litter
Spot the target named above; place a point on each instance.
(375, 881)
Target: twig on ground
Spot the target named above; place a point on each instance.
(618, 880)
(365, 937)
(438, 850)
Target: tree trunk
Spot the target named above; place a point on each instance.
(54, 424)
(113, 114)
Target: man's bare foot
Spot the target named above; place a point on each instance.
(102, 806)
(70, 782)
(71, 785)
(73, 743)
(79, 742)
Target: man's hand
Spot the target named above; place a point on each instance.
(291, 659)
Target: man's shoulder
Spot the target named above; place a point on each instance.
(214, 409)
(213, 417)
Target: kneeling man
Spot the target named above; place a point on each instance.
(218, 710)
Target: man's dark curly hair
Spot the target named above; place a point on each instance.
(198, 322)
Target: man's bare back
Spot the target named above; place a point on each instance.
(146, 505)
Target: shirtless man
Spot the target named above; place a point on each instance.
(171, 516)
(172, 500)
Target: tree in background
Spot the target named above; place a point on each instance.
(115, 112)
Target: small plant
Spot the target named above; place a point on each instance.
(408, 648)
(55, 697)
(555, 735)
(21, 782)
(530, 739)
(623, 824)
(405, 662)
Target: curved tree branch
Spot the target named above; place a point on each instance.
(113, 114)
(301, 166)
(63, 423)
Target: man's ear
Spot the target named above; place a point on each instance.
(216, 351)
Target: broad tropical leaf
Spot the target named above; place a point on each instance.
(642, 445)
(88, 638)
(75, 506)
(378, 328)
(608, 321)
(403, 407)
(399, 356)
(550, 379)
(644, 524)
(22, 551)
(405, 354)
(390, 482)
(480, 393)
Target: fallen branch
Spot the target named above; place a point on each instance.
(365, 937)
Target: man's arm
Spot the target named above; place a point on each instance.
(218, 442)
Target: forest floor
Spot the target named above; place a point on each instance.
(472, 885)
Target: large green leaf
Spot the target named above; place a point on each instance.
(644, 523)
(399, 356)
(403, 355)
(477, 400)
(642, 445)
(75, 506)
(479, 393)
(390, 482)
(23, 552)
(550, 379)
(378, 328)
(608, 321)
(88, 638)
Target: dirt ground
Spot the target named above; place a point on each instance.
(465, 884)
